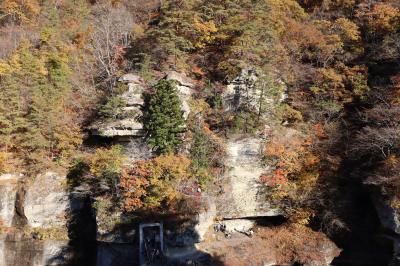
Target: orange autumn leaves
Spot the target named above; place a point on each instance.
(154, 183)
(292, 160)
(18, 10)
(381, 18)
(134, 184)
(278, 178)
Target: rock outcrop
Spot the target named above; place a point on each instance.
(234, 93)
(128, 126)
(46, 201)
(205, 220)
(327, 251)
(185, 89)
(8, 193)
(248, 88)
(239, 225)
(243, 197)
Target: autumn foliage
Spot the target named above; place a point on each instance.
(294, 170)
(381, 19)
(19, 10)
(325, 97)
(154, 183)
(277, 179)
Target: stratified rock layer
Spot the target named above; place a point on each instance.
(243, 197)
(130, 126)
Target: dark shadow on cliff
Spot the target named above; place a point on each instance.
(180, 238)
(82, 227)
(82, 246)
(346, 212)
(347, 202)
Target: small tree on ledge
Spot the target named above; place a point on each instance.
(163, 120)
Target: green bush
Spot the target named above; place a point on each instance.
(207, 152)
(106, 164)
(113, 108)
(106, 219)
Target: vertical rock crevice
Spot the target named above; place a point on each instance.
(19, 219)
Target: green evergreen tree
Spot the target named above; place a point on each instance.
(11, 114)
(201, 149)
(174, 30)
(164, 120)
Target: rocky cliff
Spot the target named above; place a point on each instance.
(41, 238)
(243, 195)
(47, 220)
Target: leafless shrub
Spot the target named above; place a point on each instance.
(11, 36)
(382, 116)
(331, 223)
(376, 141)
(386, 174)
(110, 35)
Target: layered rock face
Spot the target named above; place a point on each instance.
(185, 89)
(129, 130)
(244, 197)
(129, 126)
(133, 98)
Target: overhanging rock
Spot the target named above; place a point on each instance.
(128, 125)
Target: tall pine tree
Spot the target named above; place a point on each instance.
(164, 120)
